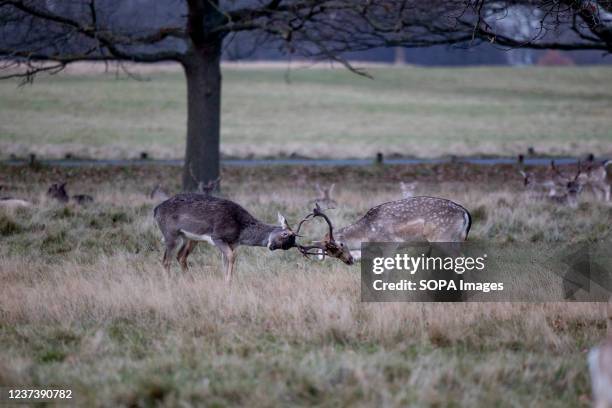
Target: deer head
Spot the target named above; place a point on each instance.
(283, 238)
(210, 187)
(58, 192)
(574, 186)
(329, 246)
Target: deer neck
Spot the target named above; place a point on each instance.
(257, 234)
(351, 235)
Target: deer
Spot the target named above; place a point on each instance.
(592, 174)
(12, 202)
(408, 189)
(420, 218)
(547, 184)
(600, 368)
(190, 218)
(58, 192)
(210, 187)
(596, 177)
(325, 197)
(573, 188)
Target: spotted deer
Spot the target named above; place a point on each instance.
(600, 367)
(421, 218)
(189, 218)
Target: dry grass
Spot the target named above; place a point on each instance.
(84, 302)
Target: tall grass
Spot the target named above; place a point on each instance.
(85, 303)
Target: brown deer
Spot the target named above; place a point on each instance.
(192, 217)
(58, 192)
(325, 197)
(600, 367)
(422, 218)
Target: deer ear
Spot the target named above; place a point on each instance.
(283, 221)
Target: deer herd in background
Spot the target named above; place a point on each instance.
(566, 189)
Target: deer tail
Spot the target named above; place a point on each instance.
(467, 217)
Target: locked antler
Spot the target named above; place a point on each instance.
(305, 249)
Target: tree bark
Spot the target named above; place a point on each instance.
(203, 74)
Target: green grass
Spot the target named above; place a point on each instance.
(319, 112)
(85, 304)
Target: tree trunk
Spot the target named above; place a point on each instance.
(203, 73)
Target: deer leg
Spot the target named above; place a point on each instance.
(170, 247)
(605, 190)
(229, 257)
(184, 252)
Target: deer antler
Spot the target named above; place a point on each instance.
(305, 249)
(299, 226)
(318, 213)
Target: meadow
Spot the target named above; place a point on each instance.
(85, 303)
(316, 112)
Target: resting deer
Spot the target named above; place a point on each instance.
(191, 217)
(600, 367)
(58, 192)
(325, 197)
(428, 219)
(12, 202)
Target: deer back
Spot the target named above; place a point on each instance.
(203, 215)
(418, 218)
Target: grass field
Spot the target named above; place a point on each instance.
(84, 301)
(318, 113)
